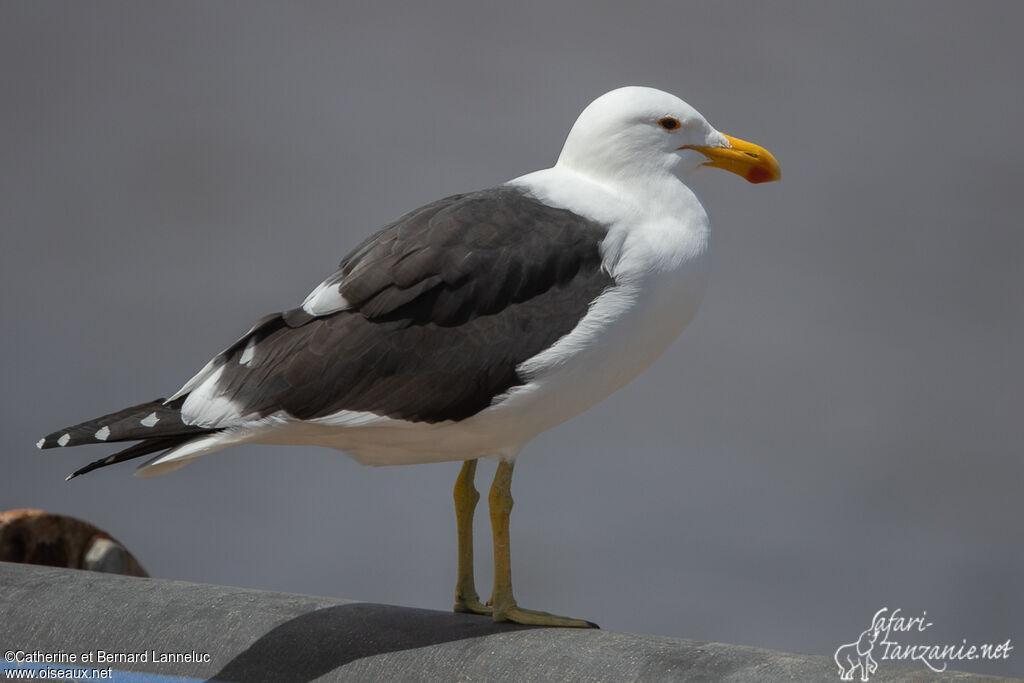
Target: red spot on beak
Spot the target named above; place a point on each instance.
(758, 174)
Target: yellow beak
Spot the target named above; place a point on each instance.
(743, 158)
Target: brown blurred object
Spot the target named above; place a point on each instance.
(38, 537)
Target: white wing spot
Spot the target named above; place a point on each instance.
(103, 433)
(39, 444)
(325, 299)
(197, 379)
(63, 441)
(150, 420)
(207, 407)
(248, 352)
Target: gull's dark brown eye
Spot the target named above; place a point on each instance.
(669, 123)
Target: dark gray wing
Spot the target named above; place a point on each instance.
(442, 306)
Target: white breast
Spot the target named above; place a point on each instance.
(658, 255)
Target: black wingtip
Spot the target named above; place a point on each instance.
(54, 440)
(137, 450)
(95, 465)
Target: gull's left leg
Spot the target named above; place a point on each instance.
(504, 604)
(466, 497)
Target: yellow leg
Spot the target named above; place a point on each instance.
(466, 497)
(502, 601)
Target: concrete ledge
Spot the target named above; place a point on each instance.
(255, 636)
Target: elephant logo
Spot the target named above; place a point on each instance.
(857, 655)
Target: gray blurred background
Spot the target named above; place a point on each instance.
(839, 430)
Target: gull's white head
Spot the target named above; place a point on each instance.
(635, 133)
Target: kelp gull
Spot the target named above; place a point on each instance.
(470, 325)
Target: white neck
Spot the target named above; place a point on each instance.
(657, 218)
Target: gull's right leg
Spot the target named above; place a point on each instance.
(502, 600)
